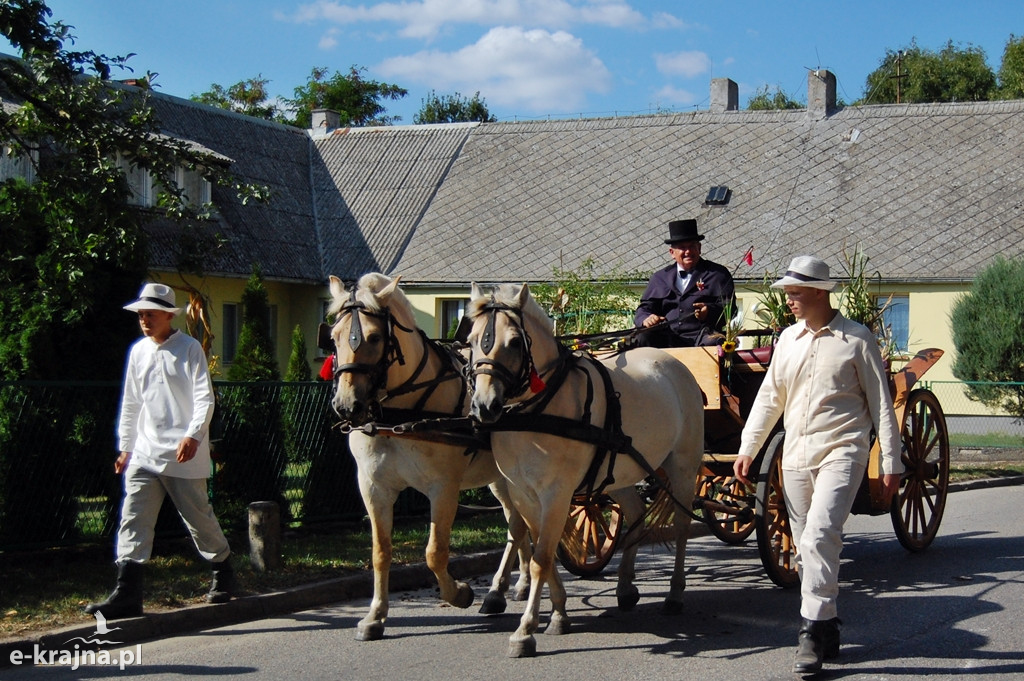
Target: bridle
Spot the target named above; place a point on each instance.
(390, 354)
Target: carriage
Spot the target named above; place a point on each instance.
(733, 511)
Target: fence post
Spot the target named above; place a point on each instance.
(264, 535)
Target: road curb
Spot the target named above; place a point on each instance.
(307, 596)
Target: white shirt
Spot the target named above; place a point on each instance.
(167, 396)
(831, 387)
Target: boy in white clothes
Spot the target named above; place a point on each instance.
(164, 450)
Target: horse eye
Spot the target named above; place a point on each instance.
(516, 342)
(374, 338)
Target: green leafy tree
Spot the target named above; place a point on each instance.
(453, 109)
(918, 75)
(298, 365)
(72, 248)
(249, 97)
(764, 99)
(357, 100)
(583, 302)
(988, 333)
(254, 359)
(1011, 72)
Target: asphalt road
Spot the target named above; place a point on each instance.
(953, 611)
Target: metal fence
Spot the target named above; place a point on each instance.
(271, 441)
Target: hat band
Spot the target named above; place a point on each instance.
(801, 277)
(159, 301)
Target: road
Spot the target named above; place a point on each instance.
(953, 611)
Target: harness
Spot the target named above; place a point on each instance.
(451, 363)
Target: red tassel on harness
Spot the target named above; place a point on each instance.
(327, 370)
(536, 384)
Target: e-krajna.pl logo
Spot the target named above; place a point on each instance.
(77, 656)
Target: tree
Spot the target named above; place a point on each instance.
(453, 109)
(988, 332)
(72, 249)
(1011, 72)
(254, 359)
(583, 302)
(918, 75)
(249, 97)
(298, 365)
(356, 100)
(765, 100)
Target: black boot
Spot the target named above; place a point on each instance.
(126, 599)
(223, 584)
(818, 641)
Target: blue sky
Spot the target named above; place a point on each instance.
(532, 58)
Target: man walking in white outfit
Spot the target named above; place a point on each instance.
(164, 450)
(827, 379)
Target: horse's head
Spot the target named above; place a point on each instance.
(364, 344)
(500, 349)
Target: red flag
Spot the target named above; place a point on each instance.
(748, 257)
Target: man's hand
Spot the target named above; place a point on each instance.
(122, 462)
(700, 311)
(187, 449)
(652, 320)
(741, 468)
(890, 486)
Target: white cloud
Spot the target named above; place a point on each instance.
(423, 19)
(512, 68)
(329, 40)
(686, 64)
(670, 94)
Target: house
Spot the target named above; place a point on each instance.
(929, 192)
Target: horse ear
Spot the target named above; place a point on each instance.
(524, 295)
(385, 293)
(475, 291)
(337, 287)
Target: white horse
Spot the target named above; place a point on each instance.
(518, 362)
(384, 365)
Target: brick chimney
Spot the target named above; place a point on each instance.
(725, 95)
(324, 120)
(821, 93)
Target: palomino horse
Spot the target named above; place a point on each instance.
(386, 366)
(518, 362)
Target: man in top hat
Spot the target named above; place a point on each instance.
(827, 380)
(164, 450)
(689, 295)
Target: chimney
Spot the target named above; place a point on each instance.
(725, 95)
(821, 93)
(324, 120)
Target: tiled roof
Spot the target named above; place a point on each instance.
(930, 192)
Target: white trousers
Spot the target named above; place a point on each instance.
(144, 493)
(819, 502)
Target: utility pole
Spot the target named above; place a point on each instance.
(899, 76)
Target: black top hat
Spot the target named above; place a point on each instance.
(683, 230)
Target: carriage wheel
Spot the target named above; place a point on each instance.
(917, 509)
(590, 536)
(774, 536)
(727, 518)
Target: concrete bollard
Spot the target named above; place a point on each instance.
(264, 536)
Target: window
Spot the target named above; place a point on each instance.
(17, 166)
(896, 318)
(232, 329)
(452, 311)
(140, 182)
(194, 185)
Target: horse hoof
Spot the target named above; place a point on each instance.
(629, 599)
(370, 631)
(672, 608)
(494, 604)
(558, 626)
(463, 596)
(524, 648)
(519, 594)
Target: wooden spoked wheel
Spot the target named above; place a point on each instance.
(774, 536)
(591, 533)
(917, 509)
(727, 511)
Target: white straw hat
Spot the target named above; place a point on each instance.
(154, 297)
(806, 270)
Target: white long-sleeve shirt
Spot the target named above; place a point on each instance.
(167, 396)
(831, 387)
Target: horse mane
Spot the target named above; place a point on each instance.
(368, 289)
(508, 294)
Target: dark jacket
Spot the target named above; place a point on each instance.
(710, 284)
